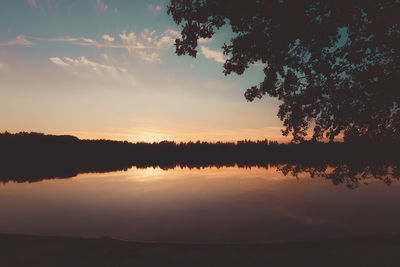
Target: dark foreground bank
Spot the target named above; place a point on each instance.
(19, 250)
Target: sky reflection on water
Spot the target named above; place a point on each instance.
(207, 205)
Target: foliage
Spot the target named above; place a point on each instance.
(333, 64)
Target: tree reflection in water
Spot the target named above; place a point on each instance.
(350, 174)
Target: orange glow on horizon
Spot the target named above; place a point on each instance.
(159, 136)
(151, 137)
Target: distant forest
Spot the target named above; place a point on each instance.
(36, 156)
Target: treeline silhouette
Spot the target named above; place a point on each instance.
(29, 157)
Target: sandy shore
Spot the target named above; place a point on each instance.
(20, 250)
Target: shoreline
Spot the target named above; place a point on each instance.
(28, 250)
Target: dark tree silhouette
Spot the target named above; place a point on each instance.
(334, 64)
(30, 157)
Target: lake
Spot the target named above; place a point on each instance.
(206, 205)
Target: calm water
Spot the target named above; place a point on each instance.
(209, 205)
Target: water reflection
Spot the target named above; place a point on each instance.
(227, 204)
(352, 174)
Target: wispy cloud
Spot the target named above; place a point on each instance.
(208, 53)
(83, 41)
(108, 38)
(32, 3)
(82, 64)
(146, 46)
(106, 73)
(20, 40)
(154, 8)
(101, 7)
(133, 41)
(149, 39)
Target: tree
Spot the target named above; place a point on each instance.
(333, 64)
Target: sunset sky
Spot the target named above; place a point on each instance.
(107, 69)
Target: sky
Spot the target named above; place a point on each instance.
(107, 69)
